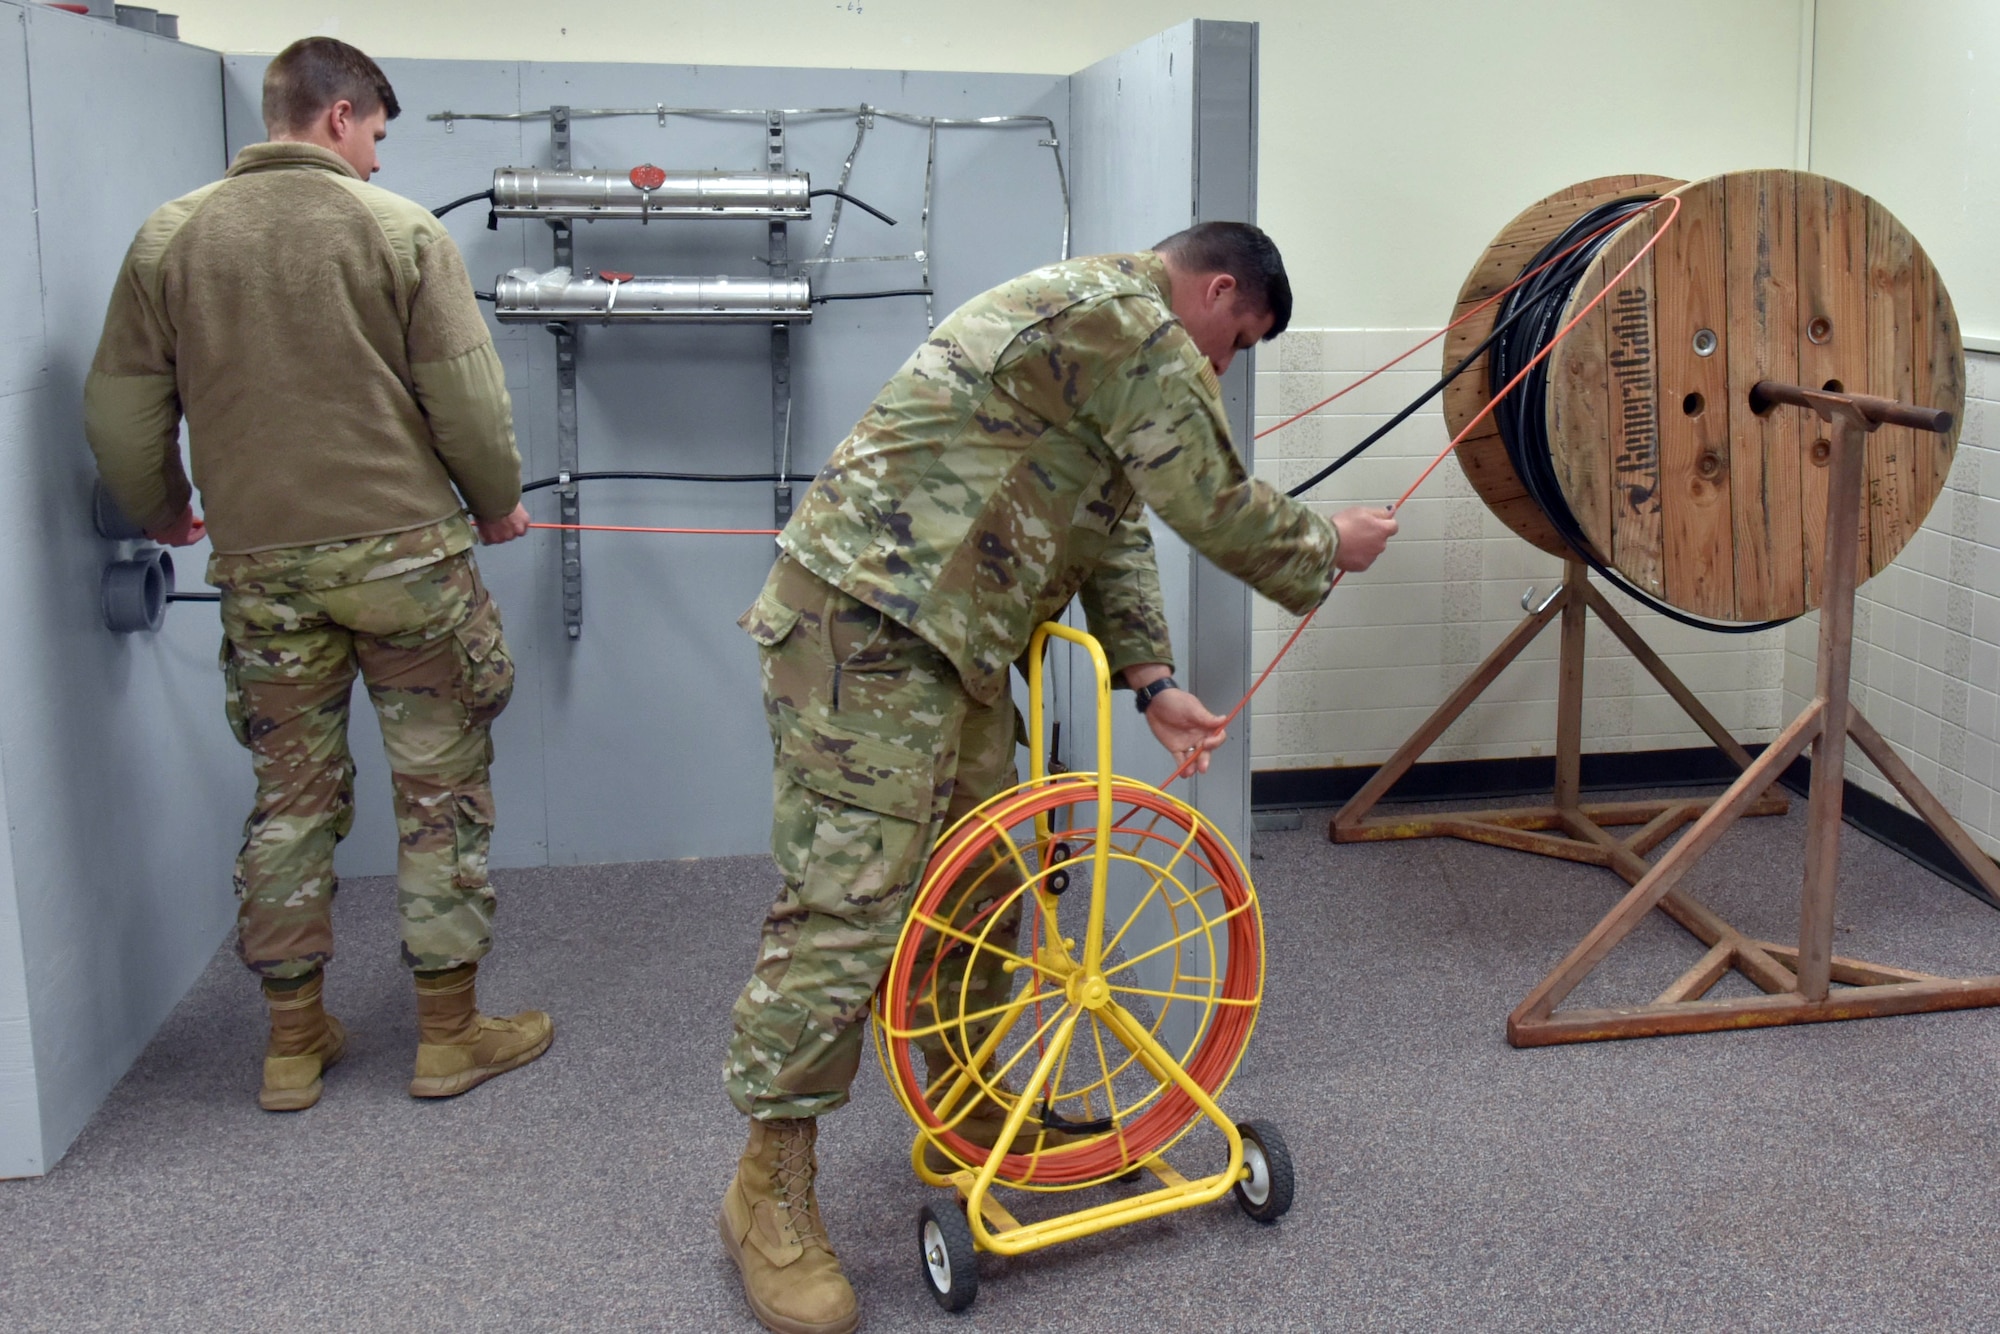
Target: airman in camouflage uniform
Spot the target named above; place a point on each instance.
(344, 405)
(1003, 471)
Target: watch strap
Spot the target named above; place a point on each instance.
(1142, 697)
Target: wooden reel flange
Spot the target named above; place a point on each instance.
(1716, 502)
(1676, 480)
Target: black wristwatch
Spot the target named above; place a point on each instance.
(1143, 696)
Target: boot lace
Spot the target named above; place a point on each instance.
(793, 1178)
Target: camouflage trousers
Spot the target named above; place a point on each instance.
(877, 749)
(427, 642)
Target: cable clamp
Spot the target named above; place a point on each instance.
(1049, 143)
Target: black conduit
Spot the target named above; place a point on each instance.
(457, 203)
(870, 296)
(860, 204)
(546, 482)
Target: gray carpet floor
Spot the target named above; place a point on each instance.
(1841, 1175)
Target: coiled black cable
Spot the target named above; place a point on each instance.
(1529, 319)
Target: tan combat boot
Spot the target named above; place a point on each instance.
(304, 1041)
(458, 1047)
(771, 1227)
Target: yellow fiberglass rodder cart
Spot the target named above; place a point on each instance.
(1072, 1053)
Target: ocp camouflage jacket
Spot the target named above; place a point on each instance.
(1006, 469)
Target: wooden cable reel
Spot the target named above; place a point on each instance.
(1676, 481)
(1712, 502)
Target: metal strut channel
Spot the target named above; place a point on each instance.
(566, 451)
(781, 340)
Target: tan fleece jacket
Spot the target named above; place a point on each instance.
(321, 337)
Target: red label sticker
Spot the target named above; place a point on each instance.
(648, 177)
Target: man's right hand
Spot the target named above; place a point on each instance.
(1364, 531)
(185, 531)
(504, 529)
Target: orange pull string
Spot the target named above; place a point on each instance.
(1185, 765)
(623, 528)
(1406, 355)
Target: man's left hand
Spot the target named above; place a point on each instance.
(1185, 727)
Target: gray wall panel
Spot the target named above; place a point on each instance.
(1163, 136)
(645, 739)
(1132, 154)
(23, 368)
(124, 780)
(123, 789)
(1225, 185)
(23, 359)
(654, 740)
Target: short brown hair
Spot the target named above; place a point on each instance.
(313, 73)
(1246, 254)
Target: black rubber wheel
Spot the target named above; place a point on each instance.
(944, 1250)
(1266, 1193)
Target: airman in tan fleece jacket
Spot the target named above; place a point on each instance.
(319, 333)
(345, 408)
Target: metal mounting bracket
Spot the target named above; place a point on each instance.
(566, 448)
(779, 257)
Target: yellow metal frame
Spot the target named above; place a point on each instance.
(1085, 983)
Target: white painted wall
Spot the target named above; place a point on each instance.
(1905, 108)
(1396, 138)
(1927, 635)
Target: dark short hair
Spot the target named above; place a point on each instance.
(1246, 254)
(313, 73)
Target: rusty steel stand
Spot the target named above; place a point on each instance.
(1570, 828)
(1801, 989)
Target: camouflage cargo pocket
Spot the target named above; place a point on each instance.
(472, 836)
(768, 621)
(488, 681)
(858, 769)
(232, 694)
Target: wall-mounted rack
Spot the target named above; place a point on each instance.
(563, 298)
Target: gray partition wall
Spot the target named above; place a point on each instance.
(1162, 136)
(642, 738)
(122, 789)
